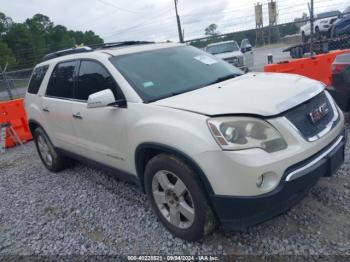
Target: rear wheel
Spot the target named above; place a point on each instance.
(48, 155)
(297, 52)
(318, 34)
(303, 37)
(177, 198)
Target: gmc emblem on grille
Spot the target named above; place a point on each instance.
(319, 113)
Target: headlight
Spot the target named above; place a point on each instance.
(236, 133)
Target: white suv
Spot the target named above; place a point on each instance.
(208, 145)
(322, 25)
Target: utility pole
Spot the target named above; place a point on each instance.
(181, 39)
(311, 9)
(6, 82)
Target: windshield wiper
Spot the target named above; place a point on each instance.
(224, 78)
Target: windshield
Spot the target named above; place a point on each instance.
(328, 14)
(347, 11)
(162, 73)
(223, 48)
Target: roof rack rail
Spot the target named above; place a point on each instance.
(90, 48)
(69, 51)
(119, 44)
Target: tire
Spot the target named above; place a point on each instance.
(189, 216)
(303, 37)
(318, 34)
(292, 53)
(299, 52)
(47, 153)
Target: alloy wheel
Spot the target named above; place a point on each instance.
(44, 150)
(173, 199)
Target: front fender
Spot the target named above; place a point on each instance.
(182, 130)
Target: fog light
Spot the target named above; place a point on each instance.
(260, 181)
(267, 181)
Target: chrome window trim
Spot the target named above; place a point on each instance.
(298, 173)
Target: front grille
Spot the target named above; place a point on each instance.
(236, 61)
(300, 117)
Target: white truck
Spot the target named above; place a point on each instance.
(241, 57)
(322, 25)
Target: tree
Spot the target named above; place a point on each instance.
(211, 30)
(91, 38)
(40, 22)
(6, 55)
(25, 44)
(86, 38)
(5, 23)
(59, 38)
(19, 39)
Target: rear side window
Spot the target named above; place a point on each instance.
(92, 78)
(37, 79)
(62, 80)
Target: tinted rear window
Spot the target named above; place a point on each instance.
(62, 80)
(37, 78)
(328, 14)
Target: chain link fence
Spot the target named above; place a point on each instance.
(13, 84)
(299, 33)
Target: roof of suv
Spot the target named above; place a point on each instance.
(115, 51)
(112, 51)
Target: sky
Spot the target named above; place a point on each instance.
(119, 20)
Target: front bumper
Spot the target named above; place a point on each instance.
(236, 213)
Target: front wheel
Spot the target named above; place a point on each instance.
(177, 198)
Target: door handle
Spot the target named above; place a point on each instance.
(46, 109)
(77, 116)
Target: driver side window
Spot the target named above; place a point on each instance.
(92, 78)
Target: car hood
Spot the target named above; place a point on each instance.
(264, 94)
(342, 20)
(229, 54)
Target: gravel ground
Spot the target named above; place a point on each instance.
(84, 211)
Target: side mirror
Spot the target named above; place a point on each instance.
(247, 48)
(101, 99)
